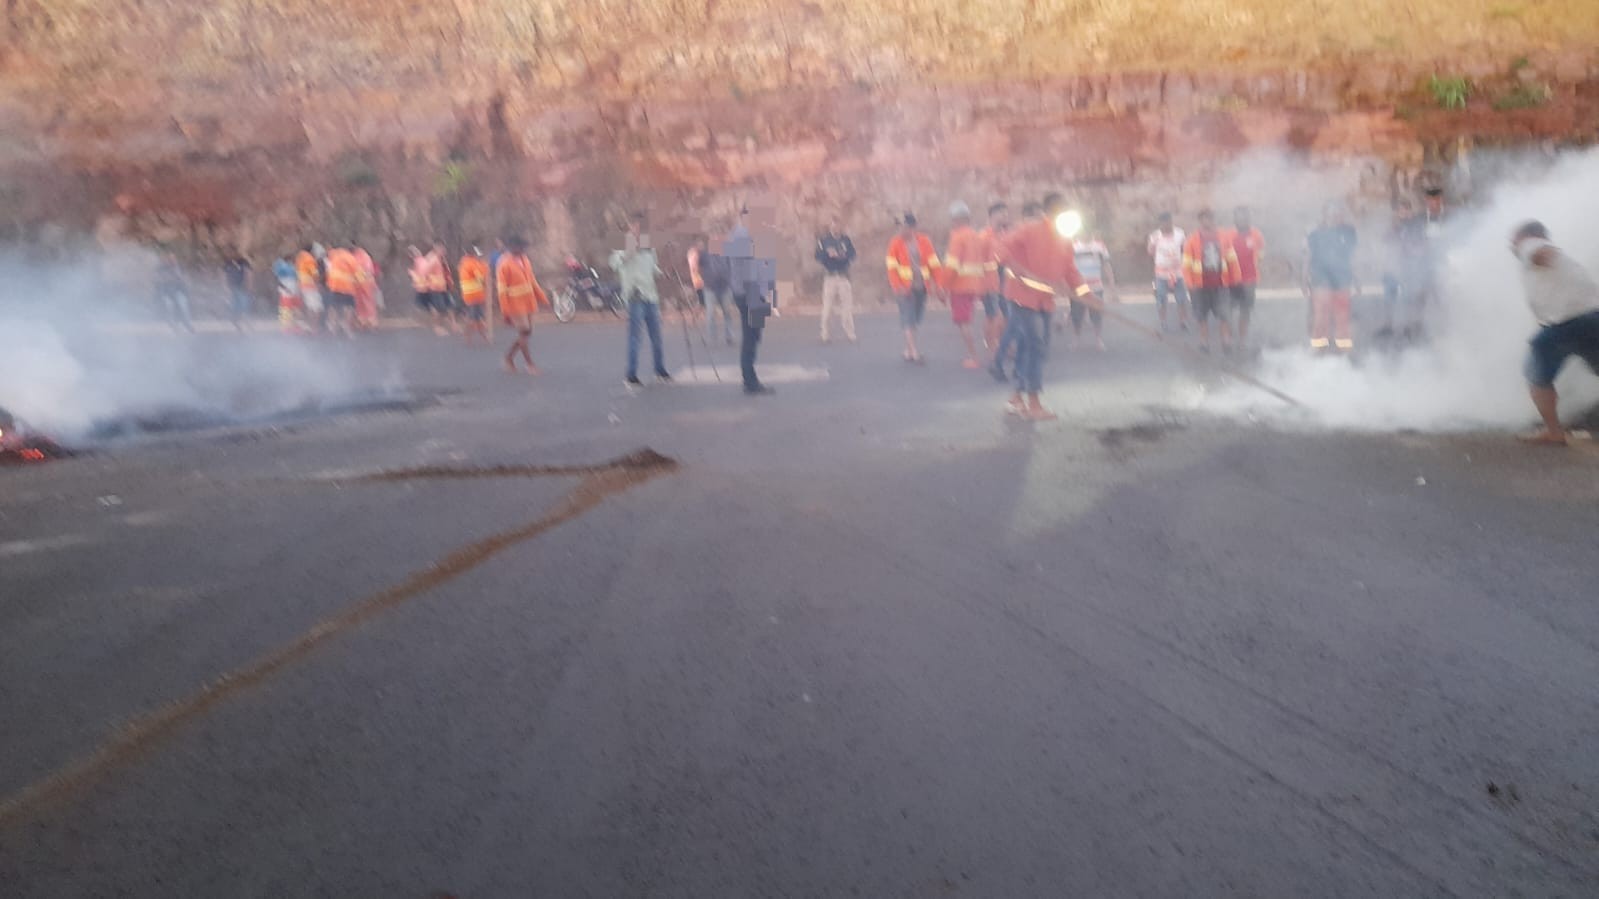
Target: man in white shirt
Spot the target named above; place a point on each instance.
(1166, 248)
(1564, 298)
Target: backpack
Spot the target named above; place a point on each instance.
(717, 272)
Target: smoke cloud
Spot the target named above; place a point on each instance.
(83, 350)
(1468, 377)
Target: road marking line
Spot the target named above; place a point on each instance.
(141, 734)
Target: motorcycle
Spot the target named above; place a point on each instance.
(583, 284)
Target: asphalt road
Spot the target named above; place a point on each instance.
(866, 638)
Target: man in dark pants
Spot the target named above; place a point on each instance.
(748, 297)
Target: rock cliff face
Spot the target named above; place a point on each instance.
(262, 122)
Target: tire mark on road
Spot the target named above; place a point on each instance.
(142, 734)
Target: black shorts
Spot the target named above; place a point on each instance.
(341, 301)
(1243, 297)
(437, 301)
(474, 311)
(1208, 304)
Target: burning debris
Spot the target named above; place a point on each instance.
(22, 446)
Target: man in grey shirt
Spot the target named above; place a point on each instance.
(636, 267)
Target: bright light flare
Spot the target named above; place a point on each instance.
(1069, 224)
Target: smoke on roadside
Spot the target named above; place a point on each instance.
(1468, 375)
(84, 349)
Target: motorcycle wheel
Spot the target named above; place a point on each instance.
(565, 305)
(618, 305)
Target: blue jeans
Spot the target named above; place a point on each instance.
(719, 299)
(1009, 337)
(641, 314)
(1176, 289)
(1032, 347)
(1549, 349)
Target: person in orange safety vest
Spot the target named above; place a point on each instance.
(344, 274)
(1037, 259)
(965, 274)
(474, 274)
(520, 297)
(913, 270)
(1210, 268)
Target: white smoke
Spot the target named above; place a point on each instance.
(83, 344)
(1468, 377)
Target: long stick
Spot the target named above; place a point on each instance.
(1095, 303)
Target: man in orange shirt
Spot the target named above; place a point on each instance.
(474, 272)
(520, 297)
(993, 300)
(1038, 259)
(310, 285)
(913, 269)
(963, 275)
(1210, 268)
(1249, 245)
(344, 277)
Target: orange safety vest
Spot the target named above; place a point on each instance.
(474, 279)
(968, 262)
(900, 276)
(343, 272)
(1036, 259)
(520, 293)
(305, 266)
(1194, 266)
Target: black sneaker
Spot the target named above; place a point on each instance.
(663, 378)
(759, 390)
(997, 374)
(632, 382)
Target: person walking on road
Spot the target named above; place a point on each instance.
(1039, 258)
(172, 289)
(993, 298)
(1564, 298)
(288, 295)
(237, 272)
(367, 291)
(474, 272)
(636, 267)
(1249, 246)
(520, 297)
(1330, 280)
(963, 270)
(913, 269)
(1211, 269)
(1166, 249)
(749, 295)
(1011, 334)
(344, 278)
(718, 294)
(836, 252)
(1093, 263)
(309, 272)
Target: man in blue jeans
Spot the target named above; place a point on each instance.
(636, 268)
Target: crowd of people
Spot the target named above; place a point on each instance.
(1045, 272)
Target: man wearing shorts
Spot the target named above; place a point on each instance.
(1093, 263)
(963, 275)
(344, 277)
(1211, 268)
(993, 297)
(1166, 248)
(913, 267)
(1564, 298)
(474, 273)
(1330, 280)
(520, 297)
(1249, 245)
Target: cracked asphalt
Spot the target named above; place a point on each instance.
(865, 638)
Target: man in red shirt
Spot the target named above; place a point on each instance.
(1039, 260)
(1211, 268)
(1250, 247)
